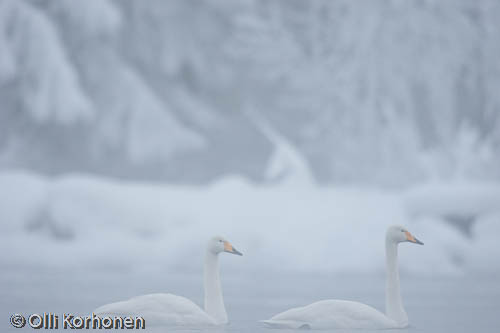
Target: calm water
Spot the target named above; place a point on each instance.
(445, 304)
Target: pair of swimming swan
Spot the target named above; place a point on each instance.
(172, 310)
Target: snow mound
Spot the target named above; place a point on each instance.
(100, 223)
(454, 198)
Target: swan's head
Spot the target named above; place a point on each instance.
(219, 244)
(399, 234)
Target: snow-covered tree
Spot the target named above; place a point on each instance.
(372, 91)
(69, 74)
(375, 83)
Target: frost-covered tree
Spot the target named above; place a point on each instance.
(40, 89)
(70, 74)
(373, 91)
(377, 83)
(37, 77)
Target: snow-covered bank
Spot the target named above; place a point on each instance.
(100, 223)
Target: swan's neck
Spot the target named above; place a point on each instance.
(393, 304)
(214, 303)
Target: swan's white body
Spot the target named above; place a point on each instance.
(330, 314)
(173, 310)
(159, 310)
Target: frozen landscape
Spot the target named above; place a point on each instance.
(116, 240)
(132, 131)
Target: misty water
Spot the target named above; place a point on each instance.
(437, 304)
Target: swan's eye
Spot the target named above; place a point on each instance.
(402, 230)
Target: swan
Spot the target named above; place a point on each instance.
(328, 314)
(173, 310)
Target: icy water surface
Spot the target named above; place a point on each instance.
(445, 304)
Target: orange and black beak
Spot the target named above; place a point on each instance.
(411, 238)
(230, 249)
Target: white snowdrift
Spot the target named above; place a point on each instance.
(82, 221)
(460, 198)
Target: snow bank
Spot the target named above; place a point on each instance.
(474, 208)
(460, 198)
(97, 223)
(22, 196)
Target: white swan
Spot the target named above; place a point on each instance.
(172, 310)
(330, 314)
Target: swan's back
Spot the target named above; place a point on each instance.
(329, 314)
(159, 309)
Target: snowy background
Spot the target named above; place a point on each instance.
(130, 131)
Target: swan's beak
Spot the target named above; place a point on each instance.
(230, 249)
(411, 238)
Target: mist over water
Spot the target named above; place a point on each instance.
(133, 131)
(442, 304)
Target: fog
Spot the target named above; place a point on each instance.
(132, 131)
